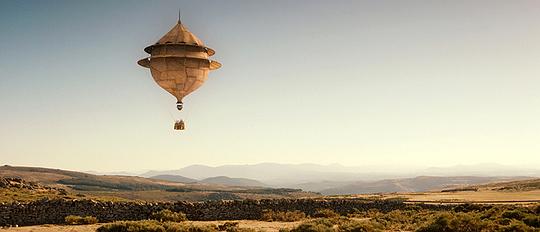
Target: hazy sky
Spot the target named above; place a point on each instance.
(424, 83)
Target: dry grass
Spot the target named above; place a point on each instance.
(248, 224)
(55, 228)
(482, 196)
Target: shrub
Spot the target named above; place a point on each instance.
(467, 223)
(78, 220)
(516, 226)
(239, 229)
(183, 227)
(221, 196)
(154, 226)
(532, 220)
(503, 221)
(336, 225)
(325, 213)
(243, 230)
(370, 213)
(537, 209)
(133, 226)
(513, 214)
(288, 216)
(461, 222)
(440, 224)
(228, 226)
(404, 219)
(233, 227)
(360, 226)
(168, 216)
(318, 225)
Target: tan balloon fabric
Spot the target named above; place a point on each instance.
(179, 76)
(180, 34)
(179, 62)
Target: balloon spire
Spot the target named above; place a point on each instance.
(179, 18)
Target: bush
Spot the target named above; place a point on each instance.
(467, 223)
(221, 196)
(537, 209)
(440, 224)
(183, 227)
(503, 221)
(288, 216)
(404, 219)
(370, 213)
(228, 226)
(513, 214)
(132, 226)
(461, 222)
(233, 227)
(318, 225)
(516, 226)
(238, 229)
(360, 226)
(154, 226)
(336, 225)
(168, 216)
(325, 213)
(78, 220)
(532, 220)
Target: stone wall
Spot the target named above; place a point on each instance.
(54, 211)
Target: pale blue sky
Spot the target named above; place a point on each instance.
(408, 83)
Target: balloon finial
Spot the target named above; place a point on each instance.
(179, 16)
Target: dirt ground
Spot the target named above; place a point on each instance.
(480, 196)
(484, 196)
(258, 225)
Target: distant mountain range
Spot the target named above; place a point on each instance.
(339, 179)
(277, 174)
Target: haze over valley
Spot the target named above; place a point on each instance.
(339, 179)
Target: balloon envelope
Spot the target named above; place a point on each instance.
(179, 62)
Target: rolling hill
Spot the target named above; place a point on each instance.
(518, 185)
(417, 184)
(174, 178)
(84, 181)
(84, 185)
(223, 180)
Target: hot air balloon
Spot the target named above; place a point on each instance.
(179, 63)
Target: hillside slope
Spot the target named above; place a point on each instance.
(223, 180)
(112, 187)
(417, 184)
(84, 181)
(518, 185)
(174, 178)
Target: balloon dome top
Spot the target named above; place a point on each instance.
(179, 35)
